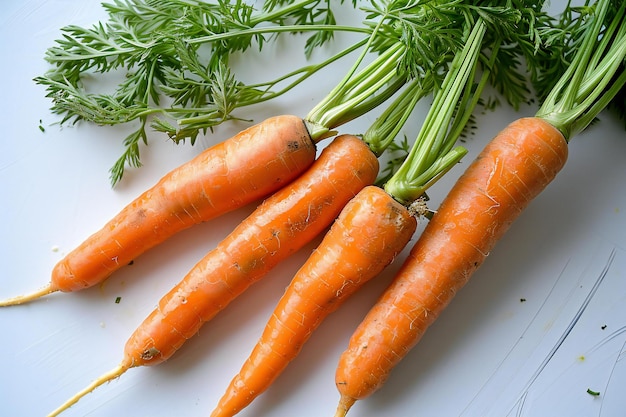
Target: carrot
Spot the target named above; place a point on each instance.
(229, 175)
(280, 226)
(368, 234)
(514, 168)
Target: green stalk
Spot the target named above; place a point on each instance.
(341, 104)
(388, 125)
(432, 154)
(358, 91)
(275, 14)
(307, 71)
(590, 82)
(277, 29)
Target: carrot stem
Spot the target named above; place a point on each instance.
(107, 377)
(358, 92)
(20, 299)
(432, 155)
(277, 29)
(387, 126)
(587, 86)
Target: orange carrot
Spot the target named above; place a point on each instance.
(370, 231)
(229, 175)
(512, 170)
(280, 226)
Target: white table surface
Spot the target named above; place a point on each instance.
(489, 354)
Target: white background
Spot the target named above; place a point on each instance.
(488, 354)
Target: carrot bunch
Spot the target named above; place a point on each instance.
(370, 226)
(279, 227)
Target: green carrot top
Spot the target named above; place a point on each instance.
(495, 38)
(596, 42)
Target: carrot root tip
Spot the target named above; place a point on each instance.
(345, 403)
(21, 299)
(107, 377)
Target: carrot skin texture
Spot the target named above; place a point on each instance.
(280, 226)
(368, 234)
(248, 166)
(512, 170)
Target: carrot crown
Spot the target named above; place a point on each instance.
(596, 73)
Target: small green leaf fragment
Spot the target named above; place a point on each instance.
(117, 300)
(594, 393)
